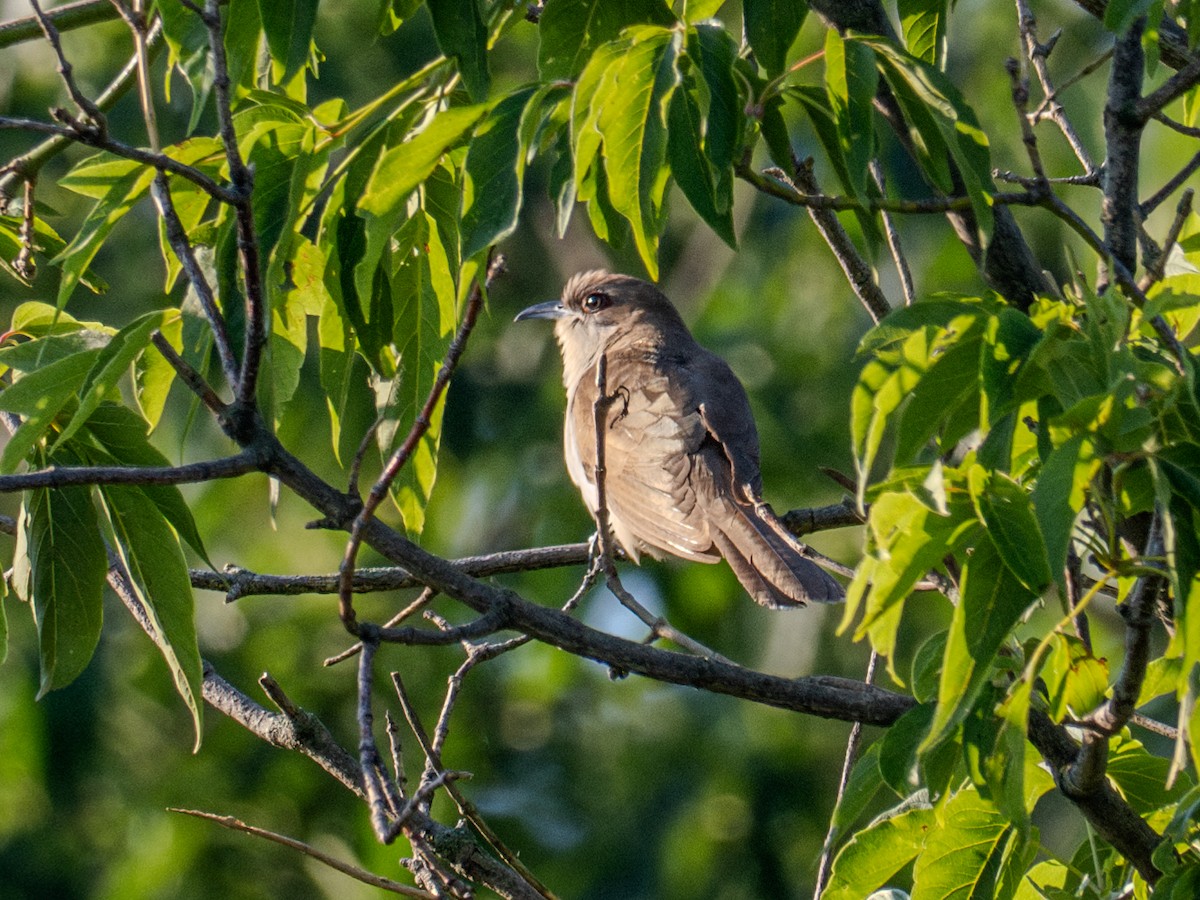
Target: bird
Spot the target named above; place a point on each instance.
(681, 449)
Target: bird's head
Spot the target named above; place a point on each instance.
(598, 307)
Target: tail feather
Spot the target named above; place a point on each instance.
(769, 564)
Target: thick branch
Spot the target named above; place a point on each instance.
(1113, 818)
(1122, 137)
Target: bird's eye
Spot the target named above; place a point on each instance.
(595, 301)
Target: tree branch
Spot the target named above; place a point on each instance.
(1122, 137)
(65, 476)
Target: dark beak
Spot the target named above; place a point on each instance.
(551, 309)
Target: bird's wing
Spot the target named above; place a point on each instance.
(651, 446)
(725, 411)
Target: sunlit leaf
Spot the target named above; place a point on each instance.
(626, 88)
(924, 25)
(1005, 508)
(425, 321)
(878, 851)
(1059, 495)
(121, 194)
(962, 858)
(569, 31)
(942, 126)
(851, 80)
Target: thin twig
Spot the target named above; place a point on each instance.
(433, 762)
(368, 753)
(1157, 268)
(857, 270)
(1086, 773)
(242, 180)
(1176, 181)
(892, 236)
(193, 379)
(308, 850)
(425, 598)
(24, 263)
(85, 105)
(1019, 91)
(1038, 54)
(64, 135)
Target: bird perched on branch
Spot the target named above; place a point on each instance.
(681, 450)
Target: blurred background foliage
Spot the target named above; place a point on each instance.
(623, 788)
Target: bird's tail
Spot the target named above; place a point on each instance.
(768, 561)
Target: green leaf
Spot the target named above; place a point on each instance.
(962, 858)
(570, 31)
(122, 186)
(888, 380)
(621, 103)
(462, 35)
(1143, 778)
(493, 173)
(992, 601)
(924, 25)
(111, 365)
(67, 566)
(949, 388)
(394, 13)
(243, 37)
(186, 37)
(898, 749)
(288, 25)
(690, 164)
(943, 127)
(906, 539)
(1005, 508)
(1076, 682)
(403, 167)
(878, 852)
(1059, 495)
(771, 28)
(698, 10)
(425, 322)
(151, 555)
(1119, 14)
(1008, 340)
(851, 80)
(714, 50)
(927, 667)
(39, 397)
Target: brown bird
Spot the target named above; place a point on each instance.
(681, 449)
